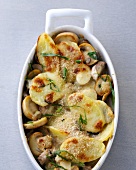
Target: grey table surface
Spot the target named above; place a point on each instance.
(21, 21)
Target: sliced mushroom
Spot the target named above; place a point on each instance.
(38, 143)
(35, 124)
(83, 74)
(33, 73)
(103, 86)
(98, 69)
(45, 142)
(88, 48)
(29, 107)
(66, 36)
(33, 143)
(38, 66)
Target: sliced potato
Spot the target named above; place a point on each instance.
(65, 164)
(83, 74)
(29, 107)
(35, 124)
(45, 44)
(57, 133)
(91, 93)
(106, 133)
(73, 53)
(46, 88)
(85, 106)
(66, 36)
(84, 149)
(106, 110)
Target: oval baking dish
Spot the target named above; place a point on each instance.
(87, 33)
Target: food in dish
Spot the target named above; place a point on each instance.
(68, 118)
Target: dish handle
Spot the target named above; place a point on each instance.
(86, 15)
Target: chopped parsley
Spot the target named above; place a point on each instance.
(78, 61)
(53, 85)
(54, 55)
(65, 73)
(93, 55)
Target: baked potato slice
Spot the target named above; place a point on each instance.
(86, 107)
(106, 110)
(46, 88)
(84, 149)
(59, 135)
(106, 133)
(45, 45)
(73, 53)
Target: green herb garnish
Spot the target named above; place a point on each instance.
(113, 94)
(53, 85)
(93, 55)
(46, 115)
(54, 55)
(30, 66)
(29, 122)
(72, 157)
(65, 73)
(59, 110)
(78, 61)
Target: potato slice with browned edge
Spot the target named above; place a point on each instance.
(73, 53)
(88, 109)
(59, 135)
(46, 88)
(84, 149)
(106, 133)
(45, 45)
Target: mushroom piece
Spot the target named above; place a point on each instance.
(35, 124)
(89, 53)
(33, 143)
(98, 69)
(83, 74)
(29, 108)
(33, 73)
(38, 143)
(66, 36)
(38, 66)
(103, 86)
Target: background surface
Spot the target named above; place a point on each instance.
(21, 22)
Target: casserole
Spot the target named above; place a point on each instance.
(87, 32)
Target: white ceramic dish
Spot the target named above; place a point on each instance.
(87, 31)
